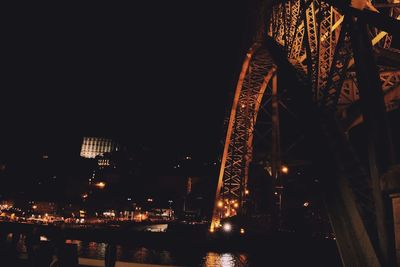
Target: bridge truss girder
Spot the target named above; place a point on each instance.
(257, 72)
(317, 39)
(329, 39)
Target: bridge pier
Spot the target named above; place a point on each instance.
(380, 148)
(391, 188)
(395, 199)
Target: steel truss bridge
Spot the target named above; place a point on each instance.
(342, 54)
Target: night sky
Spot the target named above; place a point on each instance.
(159, 74)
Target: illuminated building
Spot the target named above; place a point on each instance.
(103, 162)
(95, 146)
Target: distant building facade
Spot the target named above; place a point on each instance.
(97, 146)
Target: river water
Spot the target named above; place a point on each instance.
(293, 255)
(307, 257)
(164, 257)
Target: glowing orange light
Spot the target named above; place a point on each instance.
(247, 192)
(285, 169)
(306, 204)
(34, 207)
(242, 231)
(220, 204)
(236, 205)
(101, 185)
(85, 195)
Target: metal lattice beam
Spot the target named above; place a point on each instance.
(257, 70)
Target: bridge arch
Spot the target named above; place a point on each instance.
(258, 74)
(329, 44)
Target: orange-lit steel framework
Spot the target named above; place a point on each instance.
(322, 47)
(327, 67)
(258, 72)
(316, 37)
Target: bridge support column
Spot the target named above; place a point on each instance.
(396, 223)
(391, 189)
(379, 138)
(276, 148)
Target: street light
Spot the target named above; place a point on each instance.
(100, 185)
(227, 227)
(284, 169)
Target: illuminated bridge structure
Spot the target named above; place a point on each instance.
(343, 55)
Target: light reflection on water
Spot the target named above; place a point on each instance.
(321, 255)
(163, 257)
(213, 259)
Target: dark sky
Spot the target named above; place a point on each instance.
(158, 74)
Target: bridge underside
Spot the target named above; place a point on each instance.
(347, 74)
